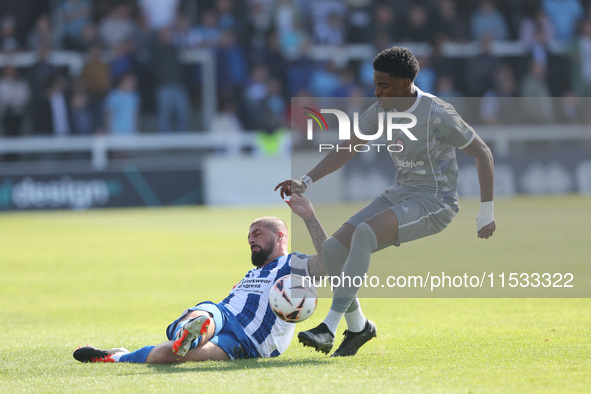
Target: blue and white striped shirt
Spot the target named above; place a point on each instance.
(249, 302)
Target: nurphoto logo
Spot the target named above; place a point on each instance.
(389, 126)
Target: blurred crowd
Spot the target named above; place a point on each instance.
(133, 79)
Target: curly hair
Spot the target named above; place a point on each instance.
(397, 62)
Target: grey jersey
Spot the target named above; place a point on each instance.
(428, 164)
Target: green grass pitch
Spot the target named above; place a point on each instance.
(118, 277)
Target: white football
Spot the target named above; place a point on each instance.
(291, 301)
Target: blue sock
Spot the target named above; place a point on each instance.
(139, 356)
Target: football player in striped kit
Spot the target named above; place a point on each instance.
(243, 324)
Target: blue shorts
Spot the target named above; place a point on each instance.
(229, 334)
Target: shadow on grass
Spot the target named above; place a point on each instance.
(230, 365)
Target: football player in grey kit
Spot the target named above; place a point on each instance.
(422, 202)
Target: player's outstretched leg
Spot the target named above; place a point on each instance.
(91, 354)
(320, 338)
(354, 340)
(192, 330)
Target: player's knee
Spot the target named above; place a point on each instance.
(334, 255)
(364, 236)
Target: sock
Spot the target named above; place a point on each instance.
(355, 319)
(115, 357)
(332, 320)
(139, 356)
(334, 255)
(363, 244)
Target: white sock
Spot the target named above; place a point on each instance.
(332, 320)
(116, 356)
(355, 320)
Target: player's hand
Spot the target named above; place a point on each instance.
(301, 206)
(290, 186)
(487, 231)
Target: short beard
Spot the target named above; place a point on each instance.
(258, 258)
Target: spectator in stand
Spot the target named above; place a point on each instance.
(480, 70)
(293, 42)
(95, 75)
(122, 107)
(381, 42)
(209, 32)
(87, 39)
(537, 33)
(580, 60)
(359, 21)
(488, 21)
(159, 14)
(496, 106)
(321, 10)
(286, 16)
(14, 98)
(347, 84)
(446, 87)
(300, 70)
(564, 14)
(226, 120)
(74, 15)
(84, 113)
(288, 25)
(53, 114)
(231, 65)
(570, 110)
(425, 80)
(39, 75)
(418, 26)
(384, 24)
(274, 106)
(450, 27)
(324, 80)
(8, 39)
(255, 93)
(172, 97)
(227, 124)
(332, 32)
(443, 65)
(123, 60)
(258, 25)
(272, 57)
(117, 26)
(184, 35)
(534, 23)
(42, 34)
(226, 17)
(538, 104)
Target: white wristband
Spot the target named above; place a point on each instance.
(306, 180)
(486, 214)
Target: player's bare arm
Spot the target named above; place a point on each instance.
(485, 169)
(334, 160)
(302, 207)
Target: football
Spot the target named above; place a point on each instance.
(290, 300)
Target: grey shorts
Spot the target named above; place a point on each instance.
(419, 214)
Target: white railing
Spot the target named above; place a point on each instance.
(99, 146)
(499, 138)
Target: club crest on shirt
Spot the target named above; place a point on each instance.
(399, 143)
